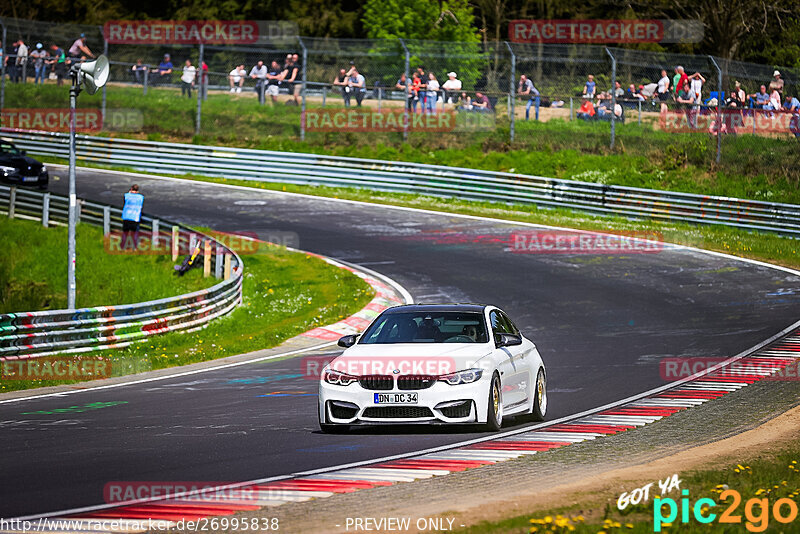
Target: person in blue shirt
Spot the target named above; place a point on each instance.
(589, 88)
(163, 72)
(131, 215)
(526, 88)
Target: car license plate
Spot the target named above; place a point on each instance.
(396, 398)
(30, 178)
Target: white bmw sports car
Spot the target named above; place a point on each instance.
(434, 364)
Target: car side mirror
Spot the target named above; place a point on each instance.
(507, 340)
(347, 341)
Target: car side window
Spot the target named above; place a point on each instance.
(512, 328)
(498, 325)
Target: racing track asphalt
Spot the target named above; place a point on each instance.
(602, 323)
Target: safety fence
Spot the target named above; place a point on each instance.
(435, 180)
(40, 333)
(721, 113)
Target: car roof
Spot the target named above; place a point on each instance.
(434, 308)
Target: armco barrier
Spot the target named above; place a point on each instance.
(297, 168)
(33, 334)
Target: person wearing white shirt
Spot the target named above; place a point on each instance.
(187, 78)
(236, 78)
(451, 87)
(433, 93)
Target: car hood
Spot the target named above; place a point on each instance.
(19, 162)
(410, 358)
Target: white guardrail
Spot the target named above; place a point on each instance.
(40, 333)
(436, 180)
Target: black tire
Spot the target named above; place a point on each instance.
(540, 397)
(494, 410)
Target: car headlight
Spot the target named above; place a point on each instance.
(462, 377)
(44, 168)
(336, 378)
(7, 170)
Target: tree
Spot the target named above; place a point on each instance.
(445, 20)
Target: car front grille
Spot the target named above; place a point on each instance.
(409, 382)
(398, 412)
(376, 382)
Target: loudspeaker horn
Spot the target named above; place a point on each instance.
(94, 74)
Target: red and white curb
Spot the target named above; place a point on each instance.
(251, 496)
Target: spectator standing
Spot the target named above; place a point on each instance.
(275, 75)
(203, 80)
(38, 56)
(22, 61)
(416, 88)
(679, 80)
(696, 82)
(423, 92)
(11, 62)
(663, 87)
(403, 85)
(187, 78)
(451, 87)
(296, 78)
(433, 92)
(259, 74)
(236, 78)
(131, 215)
(79, 48)
(340, 80)
(164, 71)
(357, 85)
(590, 87)
(138, 71)
(777, 83)
(58, 62)
(526, 88)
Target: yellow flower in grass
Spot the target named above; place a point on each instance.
(628, 525)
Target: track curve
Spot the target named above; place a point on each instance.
(602, 324)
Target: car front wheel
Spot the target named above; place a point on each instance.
(494, 412)
(540, 397)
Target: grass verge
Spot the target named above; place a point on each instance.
(766, 479)
(284, 294)
(33, 271)
(752, 167)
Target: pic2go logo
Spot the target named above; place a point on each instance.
(756, 511)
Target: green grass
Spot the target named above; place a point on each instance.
(770, 478)
(33, 270)
(284, 294)
(751, 167)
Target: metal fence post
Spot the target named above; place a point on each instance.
(103, 104)
(146, 76)
(719, 107)
(155, 228)
(613, 95)
(640, 112)
(199, 93)
(12, 200)
(3, 71)
(408, 81)
(303, 104)
(106, 220)
(571, 114)
(513, 98)
(46, 210)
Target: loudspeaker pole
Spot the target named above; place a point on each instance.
(74, 91)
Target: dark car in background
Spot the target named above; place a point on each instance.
(18, 169)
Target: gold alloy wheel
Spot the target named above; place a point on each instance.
(496, 397)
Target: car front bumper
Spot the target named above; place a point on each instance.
(439, 404)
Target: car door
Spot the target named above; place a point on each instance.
(514, 386)
(522, 359)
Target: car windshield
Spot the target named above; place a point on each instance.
(8, 148)
(427, 327)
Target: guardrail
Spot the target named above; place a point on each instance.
(40, 333)
(437, 180)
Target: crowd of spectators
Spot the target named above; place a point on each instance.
(42, 62)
